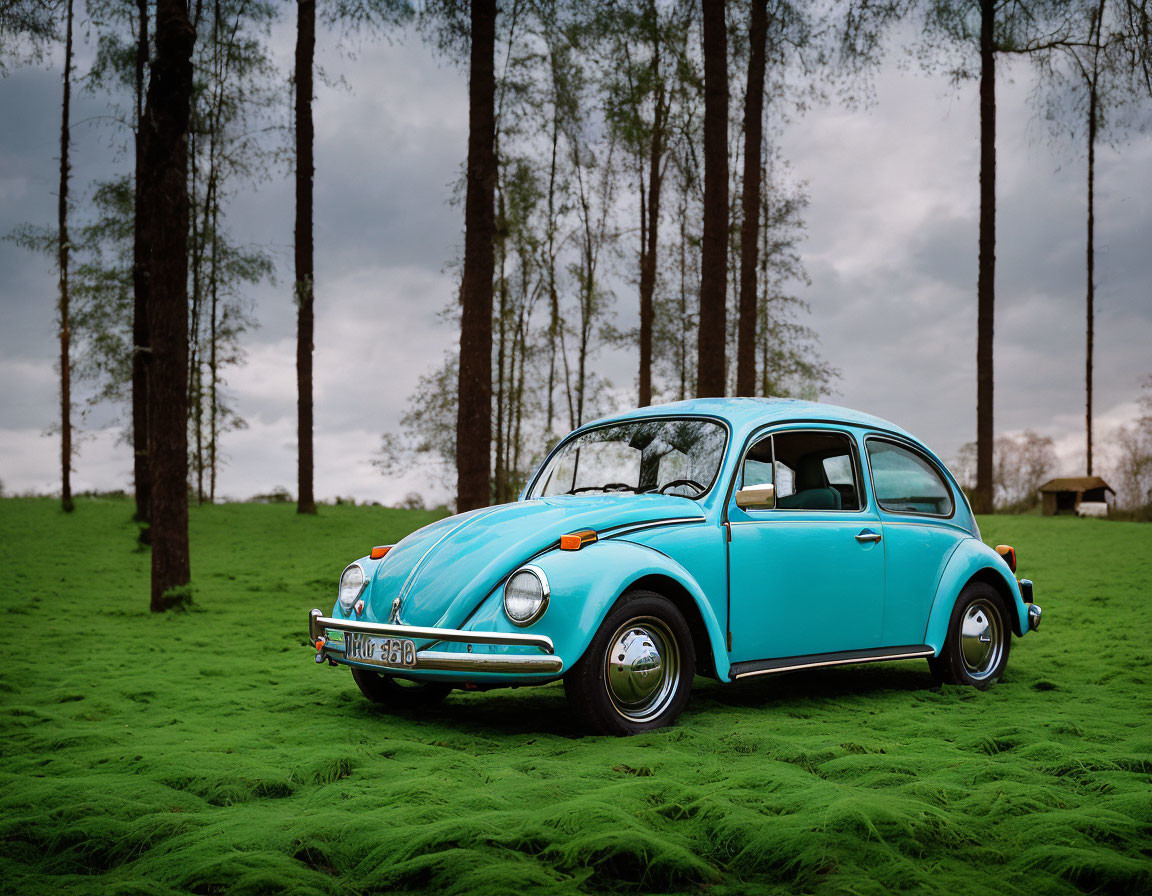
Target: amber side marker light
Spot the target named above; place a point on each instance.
(1009, 554)
(379, 552)
(573, 541)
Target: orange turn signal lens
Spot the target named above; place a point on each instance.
(1009, 554)
(320, 644)
(573, 541)
(379, 552)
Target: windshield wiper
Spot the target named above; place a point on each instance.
(606, 487)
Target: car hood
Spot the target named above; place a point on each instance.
(442, 572)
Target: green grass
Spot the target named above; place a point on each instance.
(204, 752)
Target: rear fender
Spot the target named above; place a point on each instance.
(587, 583)
(973, 559)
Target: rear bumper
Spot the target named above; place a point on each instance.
(319, 626)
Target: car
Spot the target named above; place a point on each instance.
(722, 537)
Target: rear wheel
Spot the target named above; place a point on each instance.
(979, 639)
(637, 673)
(393, 693)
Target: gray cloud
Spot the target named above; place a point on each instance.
(891, 251)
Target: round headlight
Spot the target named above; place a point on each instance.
(351, 584)
(526, 595)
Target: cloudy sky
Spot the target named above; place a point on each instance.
(891, 251)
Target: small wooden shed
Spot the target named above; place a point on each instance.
(1065, 495)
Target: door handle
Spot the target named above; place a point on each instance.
(867, 536)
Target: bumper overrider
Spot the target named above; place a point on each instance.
(1034, 612)
(321, 629)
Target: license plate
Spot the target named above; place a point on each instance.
(380, 651)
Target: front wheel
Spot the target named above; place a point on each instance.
(979, 639)
(637, 673)
(391, 693)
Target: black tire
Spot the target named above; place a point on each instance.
(391, 693)
(650, 627)
(979, 613)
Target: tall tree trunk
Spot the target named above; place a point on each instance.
(502, 394)
(711, 345)
(1093, 123)
(650, 223)
(682, 335)
(141, 250)
(1091, 298)
(982, 497)
(166, 118)
(213, 369)
(305, 321)
(553, 295)
(750, 222)
(474, 409)
(62, 259)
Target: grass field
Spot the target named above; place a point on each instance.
(204, 751)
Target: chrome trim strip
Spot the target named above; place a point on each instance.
(629, 528)
(485, 662)
(317, 622)
(838, 662)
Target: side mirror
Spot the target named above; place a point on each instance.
(756, 497)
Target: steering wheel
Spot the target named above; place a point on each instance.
(689, 482)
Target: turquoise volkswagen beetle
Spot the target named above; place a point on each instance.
(727, 537)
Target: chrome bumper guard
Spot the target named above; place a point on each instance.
(1034, 613)
(442, 661)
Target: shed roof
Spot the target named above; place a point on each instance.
(1076, 484)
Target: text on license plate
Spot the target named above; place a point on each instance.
(380, 651)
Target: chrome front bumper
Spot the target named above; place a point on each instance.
(439, 660)
(1034, 613)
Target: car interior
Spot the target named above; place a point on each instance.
(811, 470)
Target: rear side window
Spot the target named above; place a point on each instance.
(811, 469)
(905, 482)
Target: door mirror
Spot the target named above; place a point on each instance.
(756, 497)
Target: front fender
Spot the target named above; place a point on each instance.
(971, 557)
(585, 584)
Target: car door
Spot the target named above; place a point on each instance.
(917, 507)
(806, 577)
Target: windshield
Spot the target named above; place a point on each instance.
(672, 457)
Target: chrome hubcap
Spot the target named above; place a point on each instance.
(642, 668)
(981, 641)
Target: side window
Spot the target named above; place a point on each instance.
(812, 470)
(758, 464)
(905, 482)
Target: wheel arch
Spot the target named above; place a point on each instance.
(674, 591)
(587, 584)
(973, 561)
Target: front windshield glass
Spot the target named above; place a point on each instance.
(672, 457)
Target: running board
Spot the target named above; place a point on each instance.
(816, 660)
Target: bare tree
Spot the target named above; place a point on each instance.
(474, 410)
(749, 242)
(984, 29)
(305, 169)
(711, 364)
(141, 248)
(62, 262)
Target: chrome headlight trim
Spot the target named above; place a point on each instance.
(347, 607)
(545, 594)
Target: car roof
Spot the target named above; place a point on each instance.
(746, 414)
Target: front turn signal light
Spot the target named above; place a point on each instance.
(573, 541)
(1009, 554)
(379, 552)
